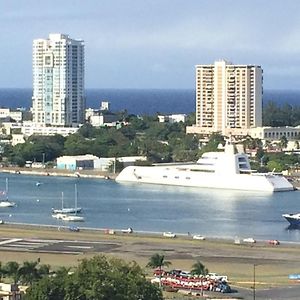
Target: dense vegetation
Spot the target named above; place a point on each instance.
(96, 278)
(280, 115)
(160, 142)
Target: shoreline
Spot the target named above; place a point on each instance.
(58, 172)
(141, 233)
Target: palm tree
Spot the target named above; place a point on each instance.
(158, 261)
(2, 272)
(44, 270)
(199, 268)
(11, 269)
(29, 272)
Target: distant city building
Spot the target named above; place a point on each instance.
(105, 105)
(172, 118)
(228, 97)
(102, 116)
(276, 133)
(29, 129)
(58, 81)
(16, 115)
(17, 138)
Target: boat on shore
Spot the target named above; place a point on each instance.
(5, 202)
(293, 219)
(229, 169)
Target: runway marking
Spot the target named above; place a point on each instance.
(80, 247)
(10, 241)
(33, 244)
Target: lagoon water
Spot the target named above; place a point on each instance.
(107, 204)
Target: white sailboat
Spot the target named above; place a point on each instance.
(73, 217)
(6, 202)
(66, 210)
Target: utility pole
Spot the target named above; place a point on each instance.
(254, 265)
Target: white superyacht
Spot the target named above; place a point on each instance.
(221, 170)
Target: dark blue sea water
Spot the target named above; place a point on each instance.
(107, 204)
(142, 101)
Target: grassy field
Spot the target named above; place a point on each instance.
(272, 263)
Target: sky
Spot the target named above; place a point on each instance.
(155, 43)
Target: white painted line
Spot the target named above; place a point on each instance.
(34, 244)
(80, 247)
(10, 241)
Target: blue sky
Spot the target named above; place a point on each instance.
(155, 43)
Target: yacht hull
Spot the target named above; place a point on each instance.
(293, 219)
(180, 177)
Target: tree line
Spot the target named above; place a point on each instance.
(160, 142)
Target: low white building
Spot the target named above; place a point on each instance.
(176, 118)
(276, 133)
(30, 128)
(103, 120)
(11, 291)
(17, 138)
(16, 115)
(76, 162)
(130, 160)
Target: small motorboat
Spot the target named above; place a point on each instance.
(293, 219)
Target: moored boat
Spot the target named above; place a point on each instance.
(68, 214)
(65, 210)
(293, 219)
(229, 169)
(5, 202)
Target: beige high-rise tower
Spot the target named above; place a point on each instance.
(58, 81)
(228, 96)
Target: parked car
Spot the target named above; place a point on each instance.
(128, 230)
(185, 274)
(169, 234)
(273, 242)
(223, 288)
(216, 276)
(249, 240)
(74, 229)
(198, 237)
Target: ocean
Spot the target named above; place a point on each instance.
(142, 101)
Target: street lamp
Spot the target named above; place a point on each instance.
(254, 266)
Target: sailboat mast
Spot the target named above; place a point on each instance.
(6, 188)
(76, 195)
(62, 200)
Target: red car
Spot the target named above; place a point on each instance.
(274, 242)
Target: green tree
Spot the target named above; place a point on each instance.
(98, 278)
(275, 166)
(283, 142)
(29, 272)
(199, 269)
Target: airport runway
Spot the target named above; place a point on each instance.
(55, 246)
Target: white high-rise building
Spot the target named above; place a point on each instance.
(58, 81)
(228, 97)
